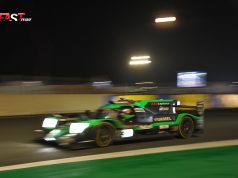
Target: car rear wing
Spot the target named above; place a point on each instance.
(198, 109)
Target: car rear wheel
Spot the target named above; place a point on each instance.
(104, 134)
(186, 128)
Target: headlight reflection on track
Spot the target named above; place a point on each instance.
(47, 150)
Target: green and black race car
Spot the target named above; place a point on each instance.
(125, 119)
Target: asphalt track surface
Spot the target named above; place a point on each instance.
(18, 140)
(212, 163)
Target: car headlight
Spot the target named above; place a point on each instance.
(50, 123)
(78, 127)
(55, 131)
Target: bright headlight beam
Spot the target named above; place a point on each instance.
(78, 127)
(49, 123)
(165, 19)
(139, 62)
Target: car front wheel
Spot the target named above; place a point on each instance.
(104, 134)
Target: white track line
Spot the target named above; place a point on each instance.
(124, 154)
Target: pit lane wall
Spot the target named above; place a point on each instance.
(30, 104)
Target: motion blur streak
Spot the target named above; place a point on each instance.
(30, 104)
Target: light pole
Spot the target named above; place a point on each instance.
(138, 62)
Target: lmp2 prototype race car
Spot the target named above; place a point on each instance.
(124, 119)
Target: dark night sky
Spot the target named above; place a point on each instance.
(96, 38)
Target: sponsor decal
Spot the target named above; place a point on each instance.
(145, 126)
(159, 119)
(159, 104)
(164, 109)
(164, 126)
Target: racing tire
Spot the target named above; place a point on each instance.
(186, 128)
(104, 134)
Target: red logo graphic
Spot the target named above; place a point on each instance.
(14, 17)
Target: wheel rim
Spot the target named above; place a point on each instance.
(104, 136)
(186, 128)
